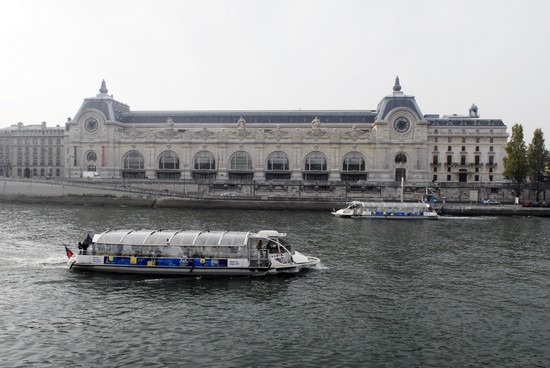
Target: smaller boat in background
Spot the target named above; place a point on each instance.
(388, 211)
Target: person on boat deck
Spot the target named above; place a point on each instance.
(260, 245)
(83, 246)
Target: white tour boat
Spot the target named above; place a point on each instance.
(388, 211)
(189, 253)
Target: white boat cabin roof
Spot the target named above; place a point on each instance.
(172, 238)
(392, 205)
(180, 237)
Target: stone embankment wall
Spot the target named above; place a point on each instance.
(82, 193)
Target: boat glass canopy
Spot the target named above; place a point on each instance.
(173, 238)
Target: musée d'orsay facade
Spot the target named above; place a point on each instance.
(322, 147)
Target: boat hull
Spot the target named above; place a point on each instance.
(86, 263)
(398, 217)
(387, 211)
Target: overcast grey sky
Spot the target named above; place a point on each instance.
(276, 55)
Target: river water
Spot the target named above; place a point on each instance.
(450, 293)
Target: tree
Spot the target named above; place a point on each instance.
(537, 159)
(515, 163)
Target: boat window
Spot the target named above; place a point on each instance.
(136, 237)
(159, 238)
(185, 238)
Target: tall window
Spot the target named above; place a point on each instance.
(169, 161)
(354, 161)
(277, 161)
(240, 161)
(240, 166)
(400, 173)
(315, 167)
(205, 161)
(315, 162)
(277, 166)
(133, 161)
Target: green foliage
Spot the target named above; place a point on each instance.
(515, 163)
(537, 159)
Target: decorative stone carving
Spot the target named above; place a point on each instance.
(169, 123)
(317, 134)
(204, 134)
(297, 136)
(315, 123)
(241, 123)
(259, 134)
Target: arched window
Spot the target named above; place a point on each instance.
(400, 158)
(240, 166)
(277, 161)
(204, 166)
(133, 161)
(168, 166)
(169, 161)
(277, 166)
(353, 168)
(315, 161)
(315, 167)
(205, 161)
(91, 156)
(133, 166)
(241, 161)
(353, 161)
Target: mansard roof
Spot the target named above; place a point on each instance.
(251, 117)
(117, 111)
(397, 100)
(105, 103)
(112, 109)
(464, 122)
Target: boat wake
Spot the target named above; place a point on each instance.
(48, 262)
(319, 266)
(467, 217)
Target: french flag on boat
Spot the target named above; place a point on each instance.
(69, 252)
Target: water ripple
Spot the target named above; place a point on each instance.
(461, 292)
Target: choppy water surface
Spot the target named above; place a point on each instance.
(456, 292)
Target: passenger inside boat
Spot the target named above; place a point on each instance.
(272, 247)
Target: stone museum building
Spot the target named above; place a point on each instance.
(245, 151)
